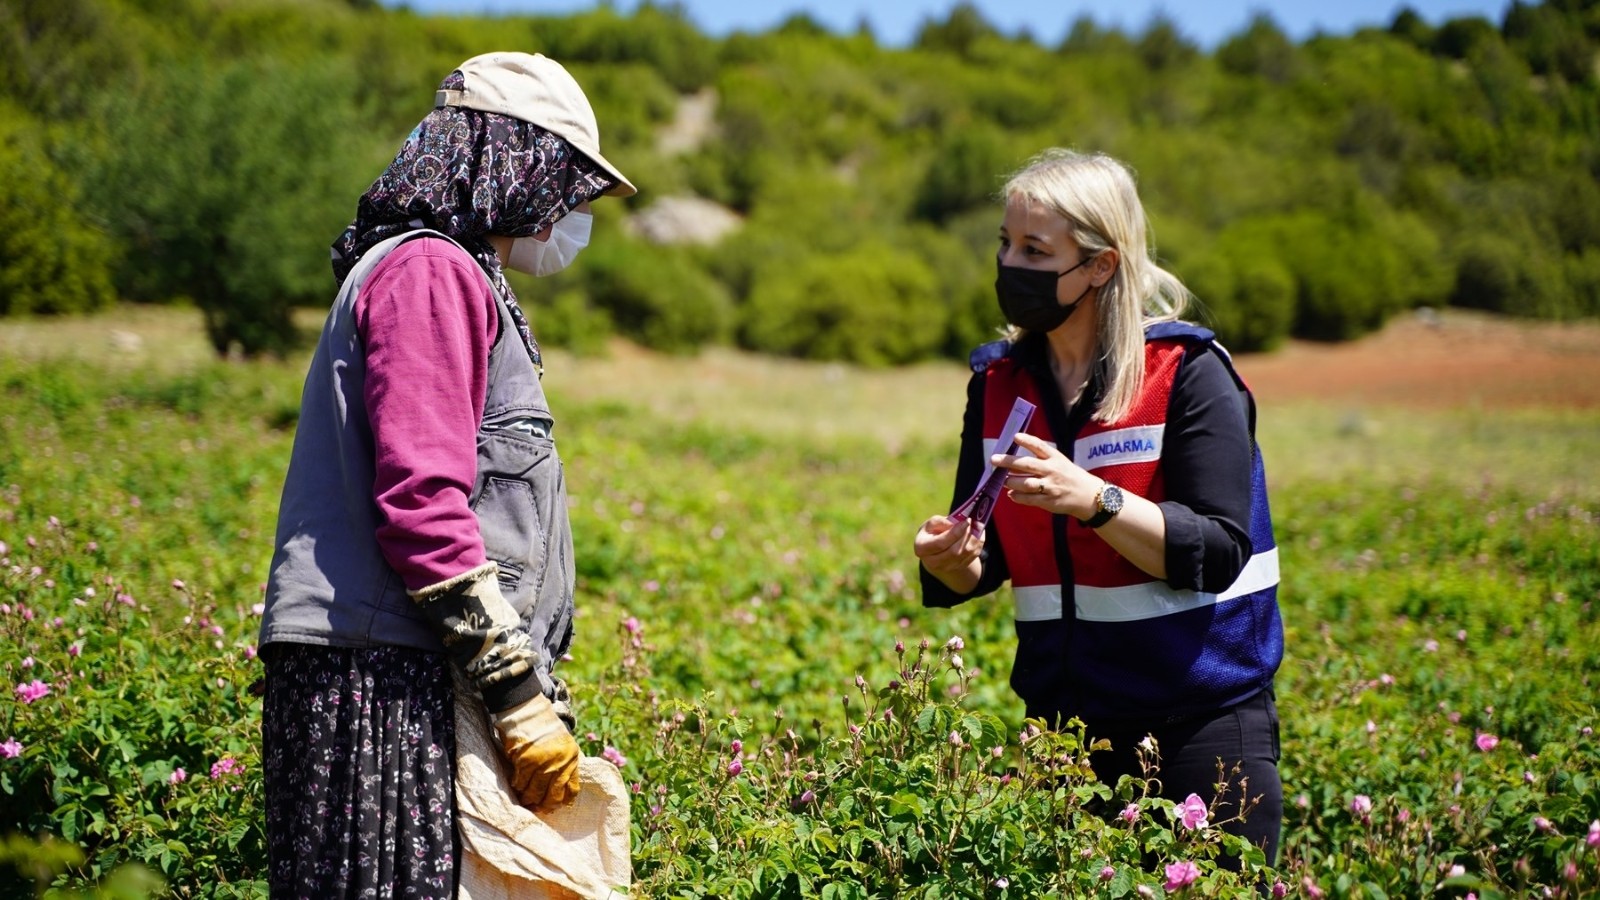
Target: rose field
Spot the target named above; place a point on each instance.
(751, 647)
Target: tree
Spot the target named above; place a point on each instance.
(225, 185)
(959, 33)
(51, 259)
(1162, 46)
(1459, 38)
(1551, 42)
(1412, 28)
(1263, 50)
(1087, 37)
(966, 170)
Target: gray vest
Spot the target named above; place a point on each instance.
(329, 583)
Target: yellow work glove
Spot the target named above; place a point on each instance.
(542, 753)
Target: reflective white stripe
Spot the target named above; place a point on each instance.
(1041, 603)
(1120, 447)
(1155, 599)
(1260, 572)
(1141, 601)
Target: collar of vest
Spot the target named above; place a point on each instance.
(986, 355)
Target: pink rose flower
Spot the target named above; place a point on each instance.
(1181, 874)
(1487, 741)
(1193, 812)
(32, 691)
(11, 749)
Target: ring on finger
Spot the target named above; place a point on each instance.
(1040, 484)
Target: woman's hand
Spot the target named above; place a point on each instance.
(1052, 482)
(949, 550)
(1048, 480)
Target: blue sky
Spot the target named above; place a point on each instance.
(896, 21)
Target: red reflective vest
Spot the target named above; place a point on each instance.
(1134, 646)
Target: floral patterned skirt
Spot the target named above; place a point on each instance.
(358, 755)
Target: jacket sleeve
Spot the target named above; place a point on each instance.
(427, 322)
(1206, 464)
(969, 469)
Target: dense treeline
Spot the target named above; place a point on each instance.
(208, 152)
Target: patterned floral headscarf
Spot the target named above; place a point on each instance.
(469, 174)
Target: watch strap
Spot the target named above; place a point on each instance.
(1098, 519)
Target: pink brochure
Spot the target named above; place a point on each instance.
(980, 506)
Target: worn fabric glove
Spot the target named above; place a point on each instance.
(483, 635)
(542, 752)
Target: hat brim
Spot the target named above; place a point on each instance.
(622, 188)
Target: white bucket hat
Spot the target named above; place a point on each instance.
(537, 89)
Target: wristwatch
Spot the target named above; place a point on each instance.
(1107, 503)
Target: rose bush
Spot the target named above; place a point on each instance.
(791, 721)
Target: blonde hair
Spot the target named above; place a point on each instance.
(1099, 200)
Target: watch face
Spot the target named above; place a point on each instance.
(1111, 499)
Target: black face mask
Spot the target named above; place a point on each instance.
(1028, 296)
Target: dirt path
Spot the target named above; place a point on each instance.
(1434, 361)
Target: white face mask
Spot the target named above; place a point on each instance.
(535, 257)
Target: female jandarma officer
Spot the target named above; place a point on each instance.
(423, 524)
(1135, 529)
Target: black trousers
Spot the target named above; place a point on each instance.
(1245, 735)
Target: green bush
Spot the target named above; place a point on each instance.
(52, 259)
(1356, 264)
(658, 296)
(1511, 272)
(1435, 699)
(659, 36)
(967, 170)
(1583, 279)
(872, 305)
(630, 102)
(961, 257)
(1245, 291)
(567, 319)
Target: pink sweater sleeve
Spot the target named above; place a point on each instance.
(428, 321)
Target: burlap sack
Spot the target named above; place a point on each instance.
(580, 850)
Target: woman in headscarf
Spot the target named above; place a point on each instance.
(423, 522)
